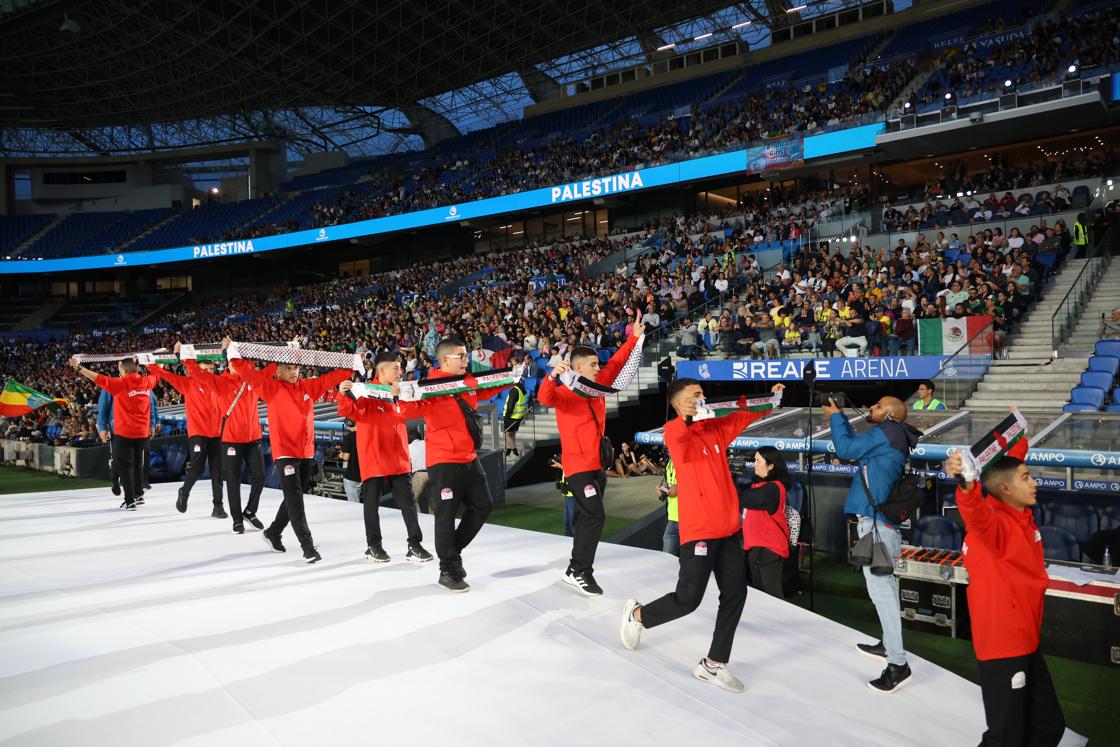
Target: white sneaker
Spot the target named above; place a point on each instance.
(630, 632)
(718, 675)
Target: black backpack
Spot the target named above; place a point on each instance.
(906, 497)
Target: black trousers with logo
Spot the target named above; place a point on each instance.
(401, 486)
(295, 477)
(453, 486)
(1020, 705)
(203, 450)
(699, 560)
(234, 455)
(128, 454)
(587, 526)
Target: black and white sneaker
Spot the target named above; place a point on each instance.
(239, 529)
(128, 506)
(583, 582)
(892, 678)
(140, 500)
(876, 651)
(254, 522)
(219, 512)
(273, 542)
(377, 554)
(453, 582)
(417, 554)
(311, 556)
(181, 502)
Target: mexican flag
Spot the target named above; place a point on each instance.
(948, 336)
(17, 400)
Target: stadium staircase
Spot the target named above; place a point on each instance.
(1030, 376)
(30, 240)
(1105, 298)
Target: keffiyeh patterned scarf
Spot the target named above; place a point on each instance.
(296, 356)
(591, 389)
(414, 391)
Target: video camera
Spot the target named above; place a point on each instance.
(820, 399)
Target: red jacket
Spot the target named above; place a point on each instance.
(291, 419)
(764, 529)
(707, 501)
(1007, 576)
(579, 434)
(447, 440)
(132, 405)
(203, 415)
(243, 423)
(382, 436)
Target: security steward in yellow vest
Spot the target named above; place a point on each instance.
(516, 407)
(671, 540)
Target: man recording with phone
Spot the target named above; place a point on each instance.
(881, 455)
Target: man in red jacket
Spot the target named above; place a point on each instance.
(455, 475)
(1007, 583)
(291, 433)
(582, 422)
(711, 535)
(132, 414)
(240, 432)
(383, 460)
(204, 442)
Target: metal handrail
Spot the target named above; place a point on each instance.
(1094, 269)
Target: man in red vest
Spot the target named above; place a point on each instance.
(291, 433)
(204, 442)
(132, 414)
(582, 422)
(711, 535)
(1007, 582)
(383, 460)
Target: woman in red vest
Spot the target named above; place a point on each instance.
(765, 531)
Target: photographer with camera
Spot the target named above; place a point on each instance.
(881, 454)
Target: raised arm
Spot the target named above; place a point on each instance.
(979, 520)
(732, 425)
(317, 386)
(179, 383)
(610, 369)
(848, 445)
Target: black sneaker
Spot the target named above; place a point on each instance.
(311, 556)
(417, 554)
(273, 542)
(878, 650)
(128, 506)
(459, 571)
(584, 582)
(140, 500)
(453, 582)
(219, 512)
(239, 529)
(377, 554)
(254, 522)
(892, 678)
(181, 502)
(116, 486)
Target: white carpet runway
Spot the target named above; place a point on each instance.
(154, 628)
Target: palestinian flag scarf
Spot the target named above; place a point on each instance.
(591, 389)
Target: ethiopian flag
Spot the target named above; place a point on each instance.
(17, 400)
(948, 336)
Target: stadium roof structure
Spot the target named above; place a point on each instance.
(113, 77)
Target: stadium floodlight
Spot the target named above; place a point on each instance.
(797, 8)
(960, 194)
(969, 193)
(1071, 69)
(741, 24)
(665, 47)
(948, 95)
(1007, 83)
(702, 36)
(906, 105)
(851, 239)
(214, 190)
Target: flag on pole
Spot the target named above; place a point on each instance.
(949, 336)
(17, 400)
(494, 353)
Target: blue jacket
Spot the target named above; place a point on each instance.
(105, 411)
(881, 453)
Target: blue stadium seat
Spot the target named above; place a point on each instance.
(1096, 380)
(1059, 544)
(1107, 347)
(1110, 517)
(1114, 407)
(937, 531)
(1079, 518)
(1081, 408)
(1087, 396)
(1105, 363)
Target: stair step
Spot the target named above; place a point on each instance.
(1034, 386)
(1025, 396)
